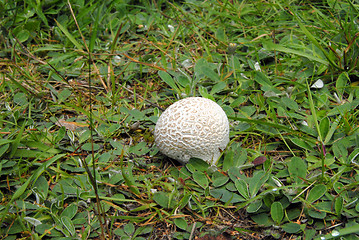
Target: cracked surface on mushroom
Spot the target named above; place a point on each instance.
(193, 127)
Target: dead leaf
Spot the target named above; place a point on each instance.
(70, 125)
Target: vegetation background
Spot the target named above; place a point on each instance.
(82, 84)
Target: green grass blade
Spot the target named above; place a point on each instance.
(332, 129)
(35, 176)
(312, 38)
(17, 140)
(95, 28)
(69, 36)
(314, 112)
(276, 47)
(338, 234)
(275, 125)
(31, 179)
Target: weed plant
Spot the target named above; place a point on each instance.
(82, 84)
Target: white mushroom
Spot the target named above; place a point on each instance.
(193, 127)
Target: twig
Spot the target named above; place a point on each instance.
(192, 231)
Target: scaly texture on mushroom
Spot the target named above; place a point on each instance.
(192, 127)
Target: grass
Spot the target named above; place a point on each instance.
(83, 84)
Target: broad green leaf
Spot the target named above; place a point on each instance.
(42, 187)
(181, 223)
(262, 79)
(5, 141)
(219, 179)
(196, 164)
(204, 69)
(316, 192)
(341, 83)
(218, 87)
(184, 201)
(23, 35)
(143, 230)
(268, 199)
(49, 229)
(297, 169)
(328, 161)
(129, 228)
(309, 233)
(217, 192)
(324, 127)
(315, 213)
(242, 188)
(162, 199)
(289, 103)
(262, 219)
(20, 98)
(256, 182)
(120, 233)
(301, 143)
(338, 187)
(221, 34)
(228, 160)
(70, 211)
(201, 179)
(16, 228)
(277, 212)
(338, 205)
(291, 227)
(66, 221)
(333, 128)
(340, 148)
(88, 147)
(3, 149)
(32, 153)
(41, 146)
(204, 93)
(226, 196)
(254, 206)
(129, 179)
(139, 149)
(169, 80)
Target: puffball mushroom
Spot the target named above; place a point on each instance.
(192, 127)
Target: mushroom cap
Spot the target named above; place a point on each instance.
(192, 127)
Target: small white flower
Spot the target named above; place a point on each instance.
(117, 59)
(270, 94)
(171, 179)
(257, 67)
(171, 28)
(335, 233)
(187, 63)
(340, 53)
(304, 123)
(243, 76)
(337, 98)
(318, 84)
(33, 221)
